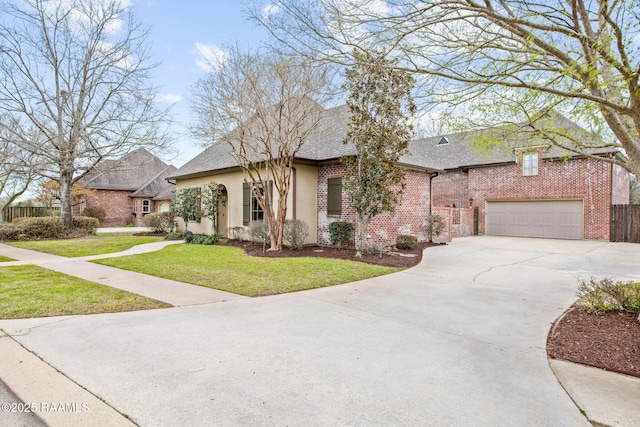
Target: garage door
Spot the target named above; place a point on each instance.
(560, 219)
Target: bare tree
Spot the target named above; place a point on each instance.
(17, 171)
(509, 57)
(262, 105)
(77, 72)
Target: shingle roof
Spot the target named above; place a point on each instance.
(158, 187)
(326, 143)
(130, 172)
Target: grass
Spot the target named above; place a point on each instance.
(31, 291)
(93, 245)
(230, 269)
(5, 259)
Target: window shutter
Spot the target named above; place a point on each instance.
(246, 203)
(334, 196)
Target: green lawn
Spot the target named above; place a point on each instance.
(230, 269)
(5, 259)
(31, 291)
(93, 245)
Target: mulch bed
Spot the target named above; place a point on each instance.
(609, 341)
(394, 258)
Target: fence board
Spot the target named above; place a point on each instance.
(11, 212)
(625, 223)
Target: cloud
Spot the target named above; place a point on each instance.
(212, 57)
(168, 98)
(269, 10)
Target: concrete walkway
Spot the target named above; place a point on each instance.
(169, 291)
(458, 340)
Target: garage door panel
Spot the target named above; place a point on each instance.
(562, 219)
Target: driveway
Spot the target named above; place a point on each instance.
(458, 340)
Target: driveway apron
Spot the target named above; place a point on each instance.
(458, 340)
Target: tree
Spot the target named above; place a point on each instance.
(380, 104)
(186, 203)
(17, 171)
(49, 192)
(76, 71)
(525, 59)
(261, 105)
(211, 196)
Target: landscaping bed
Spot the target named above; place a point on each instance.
(608, 341)
(395, 258)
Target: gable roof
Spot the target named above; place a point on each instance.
(158, 187)
(131, 172)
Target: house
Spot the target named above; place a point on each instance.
(129, 188)
(530, 189)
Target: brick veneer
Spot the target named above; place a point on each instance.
(384, 228)
(117, 205)
(589, 180)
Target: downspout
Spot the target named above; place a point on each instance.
(431, 176)
(295, 193)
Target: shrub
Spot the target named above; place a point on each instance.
(174, 235)
(17, 221)
(405, 241)
(341, 233)
(202, 239)
(88, 224)
(161, 222)
(259, 231)
(9, 232)
(236, 233)
(601, 295)
(295, 233)
(434, 225)
(97, 212)
(44, 227)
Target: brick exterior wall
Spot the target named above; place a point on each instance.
(451, 189)
(116, 204)
(384, 228)
(620, 190)
(588, 180)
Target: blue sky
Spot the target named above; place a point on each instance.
(181, 31)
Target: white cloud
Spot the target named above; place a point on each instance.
(168, 98)
(269, 10)
(212, 57)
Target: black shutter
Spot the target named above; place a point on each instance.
(246, 203)
(334, 196)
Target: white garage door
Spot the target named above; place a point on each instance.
(560, 219)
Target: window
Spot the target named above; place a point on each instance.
(251, 208)
(146, 207)
(530, 163)
(334, 196)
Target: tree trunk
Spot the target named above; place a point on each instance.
(65, 198)
(363, 224)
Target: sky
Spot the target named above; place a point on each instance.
(182, 31)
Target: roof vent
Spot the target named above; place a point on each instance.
(443, 141)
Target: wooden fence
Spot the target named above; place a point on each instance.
(625, 223)
(11, 212)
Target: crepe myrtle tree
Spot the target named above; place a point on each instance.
(77, 73)
(263, 106)
(493, 61)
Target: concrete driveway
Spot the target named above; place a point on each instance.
(458, 340)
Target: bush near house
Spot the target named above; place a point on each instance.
(45, 227)
(236, 233)
(341, 233)
(161, 222)
(97, 212)
(405, 241)
(85, 223)
(598, 296)
(202, 239)
(259, 231)
(295, 233)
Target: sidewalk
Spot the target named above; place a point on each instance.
(165, 290)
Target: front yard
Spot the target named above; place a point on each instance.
(230, 269)
(31, 291)
(93, 245)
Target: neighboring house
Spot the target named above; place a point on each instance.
(531, 190)
(129, 188)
